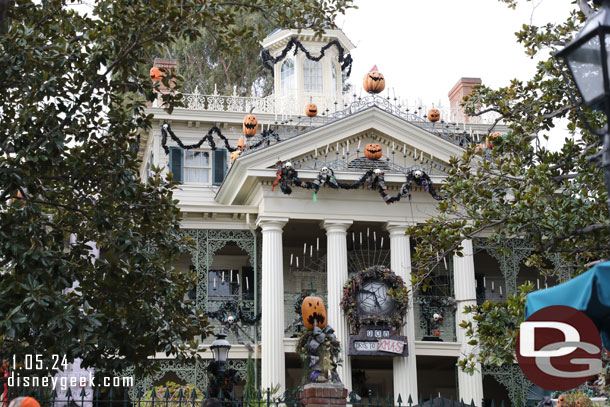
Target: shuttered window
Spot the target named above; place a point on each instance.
(219, 168)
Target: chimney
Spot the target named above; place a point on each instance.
(462, 88)
(166, 63)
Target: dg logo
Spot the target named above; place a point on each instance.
(559, 348)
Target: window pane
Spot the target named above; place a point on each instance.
(287, 76)
(220, 285)
(196, 159)
(200, 175)
(312, 75)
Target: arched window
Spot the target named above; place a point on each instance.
(287, 76)
(312, 75)
(334, 77)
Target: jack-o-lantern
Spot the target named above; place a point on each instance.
(311, 110)
(241, 143)
(314, 313)
(490, 142)
(250, 125)
(373, 151)
(155, 74)
(234, 155)
(434, 115)
(373, 81)
(563, 400)
(584, 402)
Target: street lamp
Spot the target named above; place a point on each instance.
(220, 350)
(587, 59)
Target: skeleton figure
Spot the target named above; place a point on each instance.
(421, 179)
(326, 176)
(232, 317)
(286, 174)
(377, 181)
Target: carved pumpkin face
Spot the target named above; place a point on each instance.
(314, 312)
(373, 81)
(434, 115)
(234, 155)
(311, 110)
(491, 139)
(373, 151)
(241, 143)
(563, 400)
(155, 74)
(584, 402)
(250, 125)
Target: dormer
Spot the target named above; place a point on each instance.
(299, 80)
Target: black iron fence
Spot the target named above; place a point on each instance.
(111, 397)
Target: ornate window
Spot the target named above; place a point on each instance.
(197, 167)
(287, 76)
(312, 75)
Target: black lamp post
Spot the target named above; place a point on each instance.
(587, 59)
(220, 350)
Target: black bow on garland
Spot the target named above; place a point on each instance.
(287, 175)
(209, 137)
(344, 59)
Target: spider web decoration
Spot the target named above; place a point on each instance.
(367, 251)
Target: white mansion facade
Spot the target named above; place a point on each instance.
(261, 248)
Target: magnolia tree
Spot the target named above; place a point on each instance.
(555, 201)
(71, 106)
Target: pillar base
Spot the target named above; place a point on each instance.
(323, 395)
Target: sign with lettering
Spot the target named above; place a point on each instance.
(377, 341)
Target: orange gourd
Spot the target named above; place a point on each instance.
(434, 115)
(250, 125)
(373, 81)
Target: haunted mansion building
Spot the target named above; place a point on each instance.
(313, 197)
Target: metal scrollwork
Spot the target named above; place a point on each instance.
(513, 379)
(509, 255)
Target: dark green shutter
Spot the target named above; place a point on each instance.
(219, 165)
(175, 163)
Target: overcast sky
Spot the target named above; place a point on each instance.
(424, 46)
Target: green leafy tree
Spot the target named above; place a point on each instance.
(72, 106)
(555, 201)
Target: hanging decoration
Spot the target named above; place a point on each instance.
(354, 286)
(344, 59)
(287, 175)
(166, 129)
(234, 155)
(373, 81)
(232, 316)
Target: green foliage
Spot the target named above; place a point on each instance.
(250, 392)
(555, 201)
(72, 106)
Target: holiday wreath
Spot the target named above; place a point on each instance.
(396, 292)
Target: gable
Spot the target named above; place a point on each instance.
(330, 143)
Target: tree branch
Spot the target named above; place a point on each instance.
(578, 232)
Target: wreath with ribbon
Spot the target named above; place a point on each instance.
(354, 285)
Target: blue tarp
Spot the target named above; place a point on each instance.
(589, 293)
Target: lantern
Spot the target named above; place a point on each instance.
(250, 125)
(373, 81)
(314, 312)
(220, 350)
(311, 110)
(155, 74)
(373, 151)
(434, 115)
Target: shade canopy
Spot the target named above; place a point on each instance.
(589, 293)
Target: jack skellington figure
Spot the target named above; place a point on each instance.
(232, 317)
(286, 174)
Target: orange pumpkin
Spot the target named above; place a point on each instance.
(311, 110)
(373, 151)
(563, 400)
(241, 143)
(584, 402)
(373, 81)
(314, 312)
(250, 125)
(234, 155)
(491, 138)
(155, 74)
(434, 115)
(25, 402)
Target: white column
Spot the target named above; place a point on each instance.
(405, 368)
(272, 324)
(336, 276)
(469, 387)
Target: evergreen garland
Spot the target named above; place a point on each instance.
(344, 59)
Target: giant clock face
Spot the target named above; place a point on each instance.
(373, 299)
